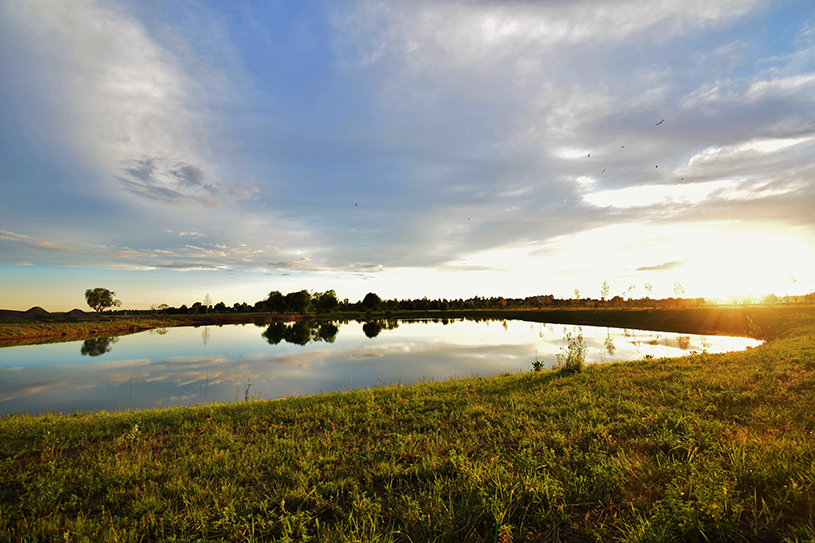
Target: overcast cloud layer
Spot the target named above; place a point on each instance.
(410, 148)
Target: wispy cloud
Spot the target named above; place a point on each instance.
(37, 243)
(662, 267)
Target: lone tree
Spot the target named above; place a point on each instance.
(101, 298)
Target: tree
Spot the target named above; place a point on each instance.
(298, 302)
(207, 302)
(276, 302)
(100, 299)
(371, 302)
(326, 301)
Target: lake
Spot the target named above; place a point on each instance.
(184, 366)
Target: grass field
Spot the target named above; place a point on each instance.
(699, 448)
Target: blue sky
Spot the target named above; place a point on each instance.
(447, 149)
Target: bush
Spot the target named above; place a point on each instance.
(572, 357)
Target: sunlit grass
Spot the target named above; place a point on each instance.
(700, 448)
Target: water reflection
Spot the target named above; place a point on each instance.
(300, 333)
(97, 346)
(372, 328)
(192, 365)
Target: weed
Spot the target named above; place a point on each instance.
(572, 357)
(537, 364)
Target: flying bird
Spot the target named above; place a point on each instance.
(660, 122)
(621, 146)
(657, 166)
(604, 170)
(589, 154)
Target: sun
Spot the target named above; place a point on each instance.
(733, 262)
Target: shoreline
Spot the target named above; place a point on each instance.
(759, 322)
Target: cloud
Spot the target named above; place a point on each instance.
(179, 265)
(302, 264)
(129, 100)
(242, 190)
(733, 92)
(663, 267)
(365, 267)
(162, 181)
(490, 32)
(36, 243)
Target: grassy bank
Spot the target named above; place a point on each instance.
(41, 330)
(699, 448)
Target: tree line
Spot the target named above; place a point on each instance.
(305, 302)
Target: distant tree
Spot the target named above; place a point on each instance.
(207, 303)
(769, 299)
(679, 290)
(100, 299)
(371, 302)
(326, 301)
(160, 307)
(298, 302)
(220, 307)
(275, 302)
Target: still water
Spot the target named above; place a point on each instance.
(182, 366)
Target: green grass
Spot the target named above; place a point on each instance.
(700, 448)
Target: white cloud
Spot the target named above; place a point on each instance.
(489, 32)
(127, 99)
(719, 157)
(650, 195)
(782, 86)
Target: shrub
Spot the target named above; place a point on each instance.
(572, 357)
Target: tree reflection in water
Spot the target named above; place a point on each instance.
(372, 328)
(97, 346)
(300, 333)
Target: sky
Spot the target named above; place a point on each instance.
(170, 150)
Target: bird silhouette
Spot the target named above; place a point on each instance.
(660, 122)
(621, 146)
(657, 166)
(589, 154)
(604, 170)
